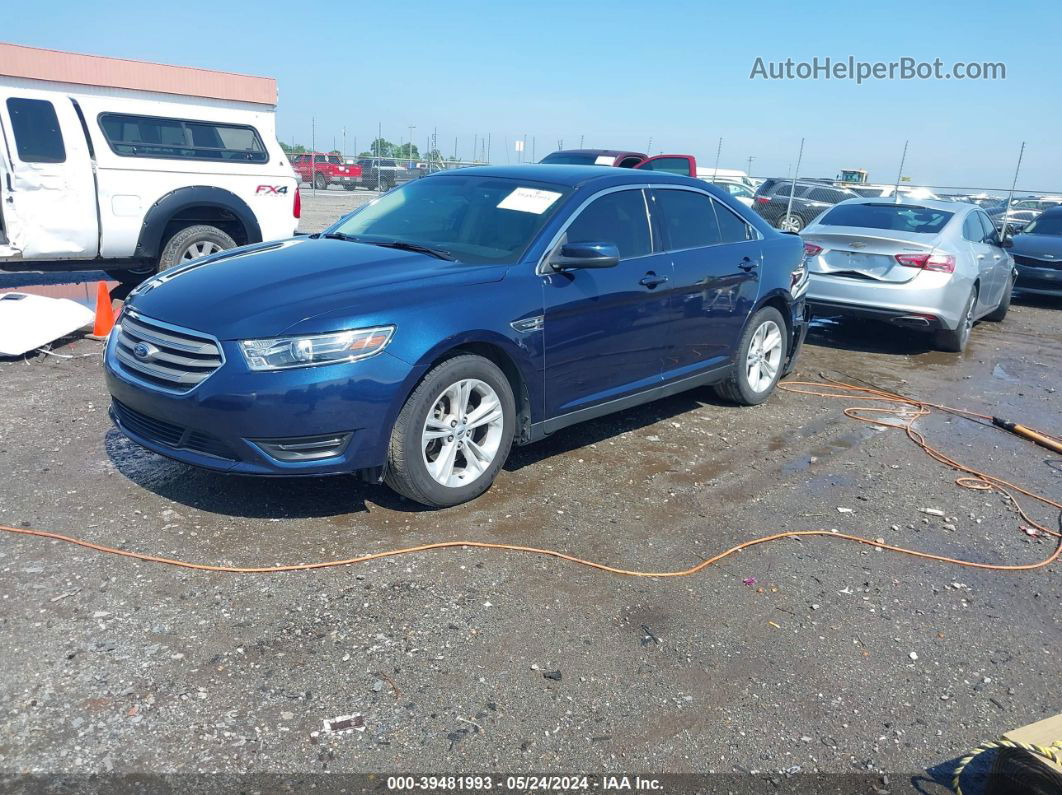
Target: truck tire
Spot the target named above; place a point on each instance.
(320, 181)
(193, 242)
(453, 434)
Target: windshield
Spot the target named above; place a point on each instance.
(574, 159)
(896, 217)
(1045, 225)
(477, 220)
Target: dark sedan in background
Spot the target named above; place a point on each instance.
(1037, 253)
(811, 198)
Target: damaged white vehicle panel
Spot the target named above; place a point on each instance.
(29, 321)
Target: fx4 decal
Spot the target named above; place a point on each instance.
(271, 190)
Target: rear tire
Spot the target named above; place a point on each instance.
(791, 223)
(760, 358)
(954, 340)
(1000, 312)
(193, 242)
(320, 182)
(463, 463)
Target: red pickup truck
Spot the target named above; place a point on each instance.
(323, 170)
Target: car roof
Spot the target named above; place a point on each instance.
(573, 176)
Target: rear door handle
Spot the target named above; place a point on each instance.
(651, 280)
(746, 264)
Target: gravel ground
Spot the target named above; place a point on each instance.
(836, 658)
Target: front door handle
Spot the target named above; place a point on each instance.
(746, 264)
(651, 280)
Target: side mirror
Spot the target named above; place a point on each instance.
(585, 255)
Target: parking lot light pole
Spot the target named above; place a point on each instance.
(899, 174)
(792, 188)
(1010, 196)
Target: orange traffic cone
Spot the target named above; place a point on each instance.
(104, 312)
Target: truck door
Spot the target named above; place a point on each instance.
(49, 189)
(683, 165)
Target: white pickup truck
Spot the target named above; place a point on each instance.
(133, 167)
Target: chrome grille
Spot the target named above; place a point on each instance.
(176, 360)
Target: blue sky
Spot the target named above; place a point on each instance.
(619, 73)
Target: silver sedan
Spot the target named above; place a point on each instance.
(934, 266)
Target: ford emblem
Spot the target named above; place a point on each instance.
(144, 351)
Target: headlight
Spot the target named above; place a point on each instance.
(341, 346)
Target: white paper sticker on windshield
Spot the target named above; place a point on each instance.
(529, 200)
(605, 160)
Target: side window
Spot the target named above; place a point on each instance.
(731, 228)
(617, 218)
(178, 139)
(784, 189)
(686, 219)
(669, 165)
(36, 128)
(991, 236)
(971, 229)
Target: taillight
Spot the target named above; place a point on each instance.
(763, 199)
(811, 250)
(942, 263)
(297, 209)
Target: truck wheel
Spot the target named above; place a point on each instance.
(453, 434)
(131, 276)
(760, 357)
(320, 182)
(194, 242)
(350, 186)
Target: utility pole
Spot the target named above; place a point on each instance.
(379, 140)
(749, 167)
(718, 151)
(488, 147)
(344, 139)
(412, 128)
(580, 142)
(313, 154)
(649, 146)
(532, 149)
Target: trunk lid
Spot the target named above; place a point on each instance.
(850, 252)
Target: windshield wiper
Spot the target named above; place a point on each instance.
(340, 236)
(401, 244)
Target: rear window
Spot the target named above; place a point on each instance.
(36, 129)
(895, 217)
(181, 139)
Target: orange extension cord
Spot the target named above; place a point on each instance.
(973, 479)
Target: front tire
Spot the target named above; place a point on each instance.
(1000, 312)
(954, 340)
(760, 358)
(453, 434)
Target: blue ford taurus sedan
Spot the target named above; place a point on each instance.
(418, 338)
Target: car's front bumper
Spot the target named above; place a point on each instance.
(1041, 281)
(216, 425)
(929, 300)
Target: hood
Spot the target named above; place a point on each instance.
(269, 288)
(1039, 246)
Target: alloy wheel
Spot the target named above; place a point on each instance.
(200, 248)
(462, 433)
(764, 356)
(791, 223)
